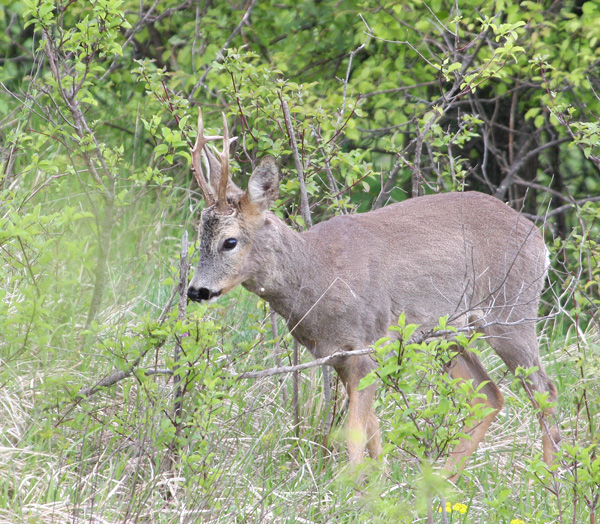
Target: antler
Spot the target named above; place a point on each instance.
(224, 157)
(201, 141)
(205, 187)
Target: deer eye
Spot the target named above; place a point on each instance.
(229, 244)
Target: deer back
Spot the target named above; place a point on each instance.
(346, 280)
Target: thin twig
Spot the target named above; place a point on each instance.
(305, 211)
(295, 401)
(277, 351)
(386, 186)
(347, 79)
(306, 365)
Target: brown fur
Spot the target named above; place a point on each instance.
(342, 283)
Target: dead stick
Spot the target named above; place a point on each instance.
(181, 288)
(117, 376)
(295, 391)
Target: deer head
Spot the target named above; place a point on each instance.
(231, 216)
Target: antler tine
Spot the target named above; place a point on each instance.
(224, 157)
(201, 141)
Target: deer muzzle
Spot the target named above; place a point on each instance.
(199, 294)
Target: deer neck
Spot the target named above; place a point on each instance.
(280, 268)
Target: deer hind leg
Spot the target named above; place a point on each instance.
(467, 366)
(550, 433)
(520, 349)
(362, 431)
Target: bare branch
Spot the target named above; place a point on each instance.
(387, 186)
(347, 79)
(114, 378)
(304, 207)
(307, 365)
(397, 89)
(415, 339)
(520, 162)
(561, 209)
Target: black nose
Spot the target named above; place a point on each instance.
(200, 294)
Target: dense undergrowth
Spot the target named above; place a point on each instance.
(120, 405)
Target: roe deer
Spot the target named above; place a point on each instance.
(342, 283)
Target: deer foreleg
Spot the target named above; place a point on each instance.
(363, 425)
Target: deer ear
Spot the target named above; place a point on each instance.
(263, 187)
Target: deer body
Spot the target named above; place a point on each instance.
(341, 284)
(427, 257)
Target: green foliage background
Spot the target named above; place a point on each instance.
(389, 99)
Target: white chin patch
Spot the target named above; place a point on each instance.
(213, 299)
